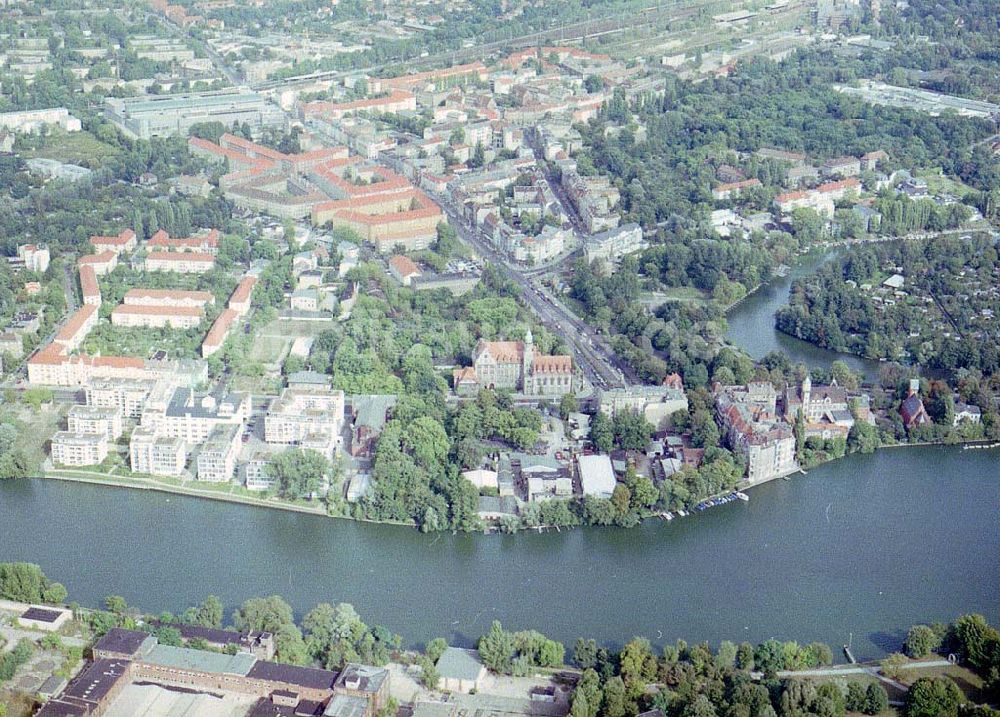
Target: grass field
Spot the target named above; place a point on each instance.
(269, 349)
(937, 183)
(968, 681)
(76, 148)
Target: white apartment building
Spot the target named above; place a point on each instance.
(36, 257)
(613, 244)
(156, 455)
(126, 396)
(79, 449)
(193, 416)
(257, 476)
(310, 417)
(217, 458)
(35, 120)
(95, 419)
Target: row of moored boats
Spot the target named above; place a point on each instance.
(711, 502)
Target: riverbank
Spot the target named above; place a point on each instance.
(217, 494)
(862, 533)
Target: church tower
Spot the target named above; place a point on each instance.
(806, 394)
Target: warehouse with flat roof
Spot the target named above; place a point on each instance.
(164, 115)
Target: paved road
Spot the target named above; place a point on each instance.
(600, 365)
(861, 670)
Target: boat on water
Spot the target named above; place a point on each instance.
(742, 496)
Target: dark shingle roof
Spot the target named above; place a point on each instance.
(40, 614)
(290, 674)
(122, 642)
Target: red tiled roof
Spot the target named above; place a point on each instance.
(552, 364)
(737, 185)
(403, 265)
(88, 281)
(217, 334)
(243, 290)
(141, 310)
(75, 322)
(103, 257)
(849, 183)
(163, 294)
(194, 256)
(790, 196)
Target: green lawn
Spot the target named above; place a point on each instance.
(269, 349)
(938, 183)
(76, 148)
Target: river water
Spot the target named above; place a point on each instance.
(751, 324)
(865, 546)
(868, 545)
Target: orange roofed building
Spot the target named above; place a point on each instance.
(89, 287)
(514, 366)
(122, 244)
(408, 218)
(204, 244)
(188, 262)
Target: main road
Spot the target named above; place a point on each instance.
(600, 365)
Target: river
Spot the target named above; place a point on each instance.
(867, 545)
(751, 323)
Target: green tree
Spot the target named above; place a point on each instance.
(769, 657)
(585, 653)
(745, 656)
(209, 613)
(616, 702)
(298, 472)
(263, 614)
(701, 706)
(856, 698)
(435, 648)
(496, 649)
(933, 697)
(921, 641)
(891, 665)
(876, 699)
(567, 405)
(601, 433)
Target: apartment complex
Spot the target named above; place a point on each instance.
(310, 417)
(612, 245)
(123, 243)
(106, 420)
(178, 317)
(79, 449)
(408, 219)
(193, 416)
(154, 454)
(36, 257)
(126, 396)
(216, 461)
(168, 298)
(186, 262)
